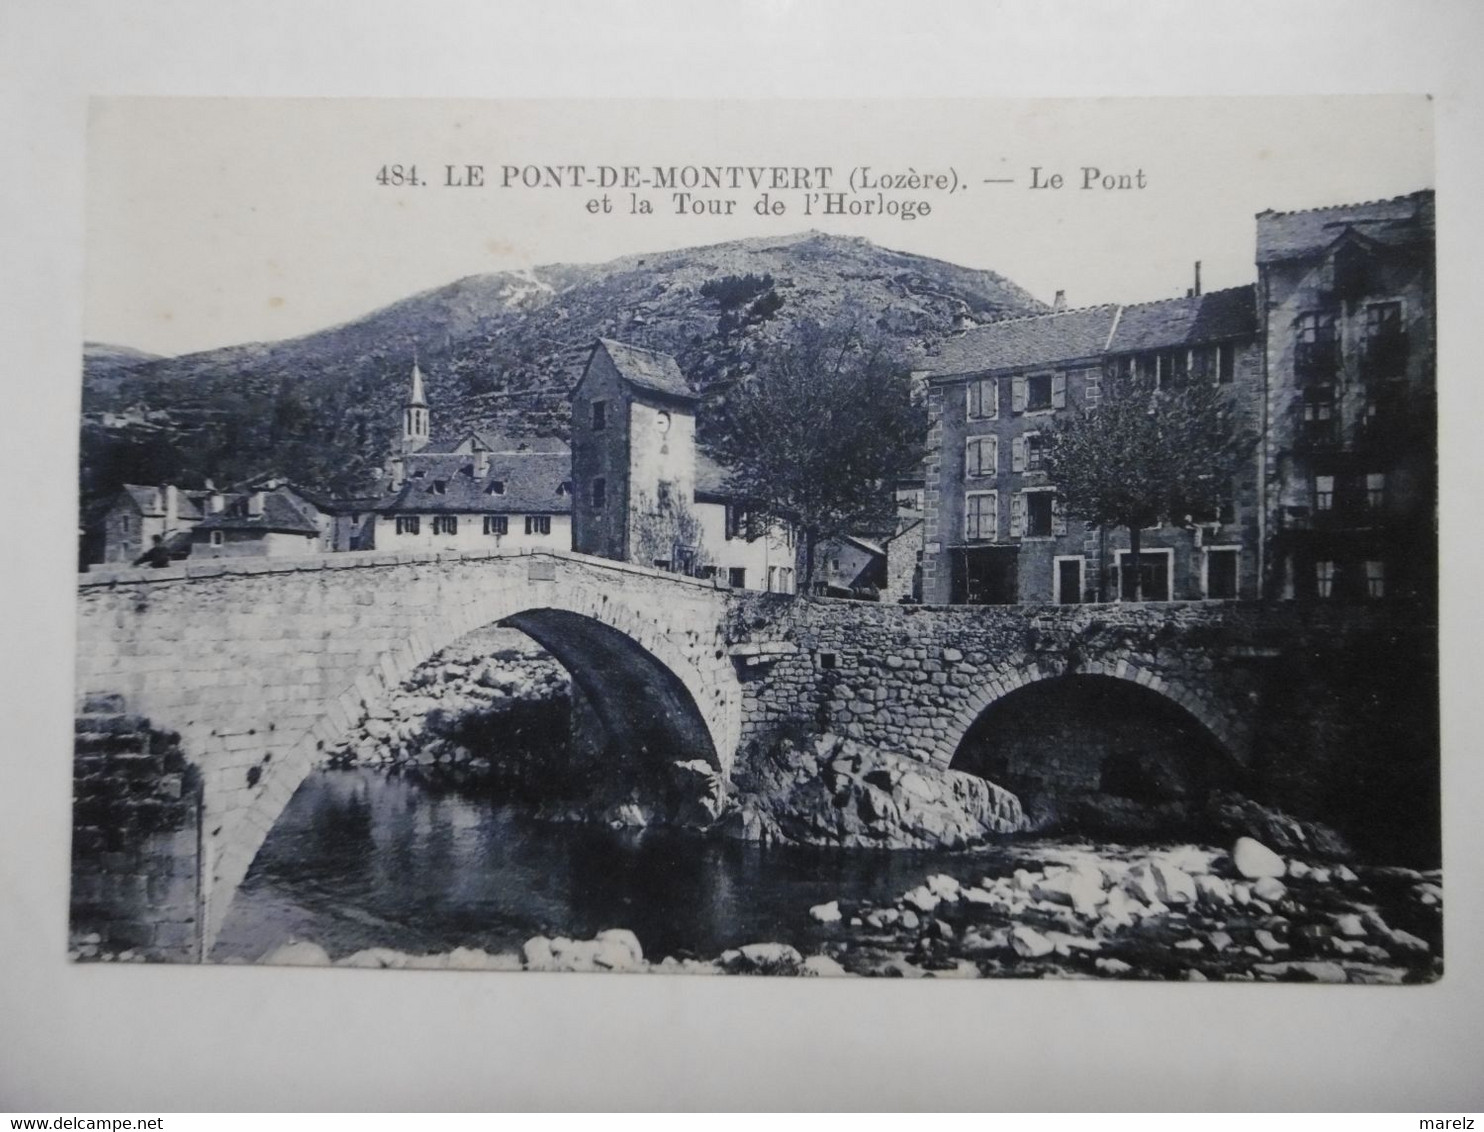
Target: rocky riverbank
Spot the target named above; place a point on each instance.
(1188, 912)
(490, 708)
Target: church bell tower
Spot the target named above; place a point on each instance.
(415, 414)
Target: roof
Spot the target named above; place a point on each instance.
(492, 442)
(1210, 317)
(711, 476)
(1294, 235)
(417, 398)
(1033, 340)
(151, 501)
(528, 483)
(281, 513)
(647, 369)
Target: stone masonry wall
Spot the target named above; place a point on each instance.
(135, 834)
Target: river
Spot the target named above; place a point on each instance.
(362, 859)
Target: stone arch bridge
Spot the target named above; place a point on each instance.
(260, 665)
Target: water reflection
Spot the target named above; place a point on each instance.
(362, 860)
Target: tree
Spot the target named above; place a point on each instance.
(819, 432)
(1145, 455)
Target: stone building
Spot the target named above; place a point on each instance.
(1349, 303)
(139, 514)
(274, 521)
(641, 491)
(473, 491)
(994, 530)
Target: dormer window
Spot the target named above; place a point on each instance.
(440, 487)
(497, 487)
(564, 488)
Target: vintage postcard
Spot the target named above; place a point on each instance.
(902, 538)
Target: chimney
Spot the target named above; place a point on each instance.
(1197, 289)
(172, 506)
(255, 505)
(215, 502)
(481, 463)
(1060, 302)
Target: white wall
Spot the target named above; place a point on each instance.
(755, 557)
(470, 535)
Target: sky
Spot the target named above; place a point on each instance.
(212, 222)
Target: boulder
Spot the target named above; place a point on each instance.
(297, 953)
(617, 949)
(537, 954)
(826, 913)
(1253, 860)
(762, 959)
(1112, 966)
(376, 958)
(1270, 890)
(822, 965)
(922, 898)
(1214, 891)
(1242, 817)
(1029, 943)
(1080, 888)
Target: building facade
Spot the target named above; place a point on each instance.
(471, 492)
(141, 513)
(641, 491)
(1349, 299)
(995, 531)
(1328, 363)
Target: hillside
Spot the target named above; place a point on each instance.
(499, 351)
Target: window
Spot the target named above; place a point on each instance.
(772, 579)
(1037, 392)
(1384, 346)
(497, 524)
(409, 524)
(1375, 578)
(1316, 354)
(1319, 419)
(1324, 493)
(786, 580)
(662, 494)
(497, 487)
(1035, 452)
(1038, 517)
(538, 524)
(1226, 363)
(984, 399)
(123, 524)
(217, 538)
(1221, 572)
(440, 487)
(1155, 568)
(982, 456)
(445, 524)
(1375, 491)
(600, 415)
(737, 578)
(981, 515)
(1324, 578)
(1174, 368)
(600, 493)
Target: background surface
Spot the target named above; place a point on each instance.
(81, 1038)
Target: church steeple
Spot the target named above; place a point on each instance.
(415, 413)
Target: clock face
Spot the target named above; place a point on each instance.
(663, 420)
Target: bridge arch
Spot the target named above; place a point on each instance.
(262, 666)
(1200, 706)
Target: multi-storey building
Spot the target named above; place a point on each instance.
(996, 532)
(469, 492)
(1328, 362)
(1348, 301)
(641, 491)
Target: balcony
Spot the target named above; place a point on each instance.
(1316, 362)
(1384, 356)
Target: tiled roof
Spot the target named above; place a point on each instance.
(1211, 317)
(492, 442)
(281, 512)
(531, 483)
(711, 477)
(151, 501)
(647, 369)
(1035, 340)
(1290, 235)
